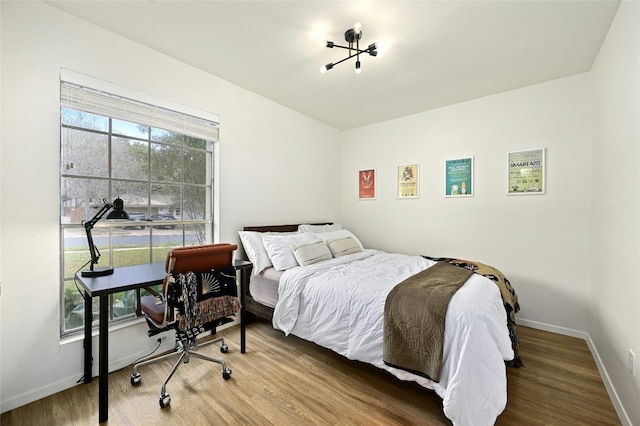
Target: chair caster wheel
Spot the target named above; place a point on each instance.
(224, 348)
(136, 378)
(226, 374)
(165, 400)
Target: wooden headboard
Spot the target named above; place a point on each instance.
(279, 228)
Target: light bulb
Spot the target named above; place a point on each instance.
(326, 68)
(358, 69)
(381, 47)
(357, 27)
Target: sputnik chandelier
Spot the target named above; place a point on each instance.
(352, 36)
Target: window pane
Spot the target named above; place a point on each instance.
(124, 304)
(84, 153)
(131, 246)
(133, 130)
(81, 198)
(84, 119)
(195, 167)
(196, 234)
(195, 143)
(166, 163)
(160, 250)
(195, 202)
(76, 257)
(76, 251)
(130, 158)
(134, 195)
(178, 139)
(74, 307)
(100, 236)
(164, 239)
(166, 136)
(165, 202)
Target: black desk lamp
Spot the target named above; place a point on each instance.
(117, 213)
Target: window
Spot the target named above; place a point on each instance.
(158, 161)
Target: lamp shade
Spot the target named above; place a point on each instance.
(118, 211)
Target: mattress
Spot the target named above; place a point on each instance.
(264, 287)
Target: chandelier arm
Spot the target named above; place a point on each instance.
(345, 59)
(367, 50)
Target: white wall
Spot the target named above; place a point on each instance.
(539, 241)
(259, 140)
(614, 321)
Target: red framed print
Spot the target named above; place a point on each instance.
(367, 184)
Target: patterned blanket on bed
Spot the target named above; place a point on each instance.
(509, 297)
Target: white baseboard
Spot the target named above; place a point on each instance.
(611, 390)
(552, 328)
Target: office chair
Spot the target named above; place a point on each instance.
(199, 294)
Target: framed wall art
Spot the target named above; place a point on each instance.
(527, 172)
(407, 181)
(367, 184)
(458, 177)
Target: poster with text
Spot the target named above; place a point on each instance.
(527, 172)
(408, 181)
(459, 177)
(367, 184)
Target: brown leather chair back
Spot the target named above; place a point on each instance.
(199, 258)
(181, 260)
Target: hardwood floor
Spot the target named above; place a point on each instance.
(288, 381)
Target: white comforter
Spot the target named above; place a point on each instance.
(339, 304)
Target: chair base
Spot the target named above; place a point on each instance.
(186, 348)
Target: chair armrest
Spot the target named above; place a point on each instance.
(154, 292)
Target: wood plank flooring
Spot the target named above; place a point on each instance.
(288, 381)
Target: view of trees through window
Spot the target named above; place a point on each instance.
(165, 181)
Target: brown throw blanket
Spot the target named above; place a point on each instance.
(509, 297)
(414, 318)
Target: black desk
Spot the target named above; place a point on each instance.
(123, 279)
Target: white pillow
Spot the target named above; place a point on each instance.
(319, 228)
(279, 248)
(344, 246)
(252, 243)
(335, 235)
(309, 253)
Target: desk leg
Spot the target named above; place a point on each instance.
(103, 383)
(88, 345)
(138, 307)
(243, 319)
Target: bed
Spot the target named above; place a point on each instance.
(340, 301)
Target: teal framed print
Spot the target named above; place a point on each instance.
(458, 177)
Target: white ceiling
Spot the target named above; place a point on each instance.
(440, 52)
